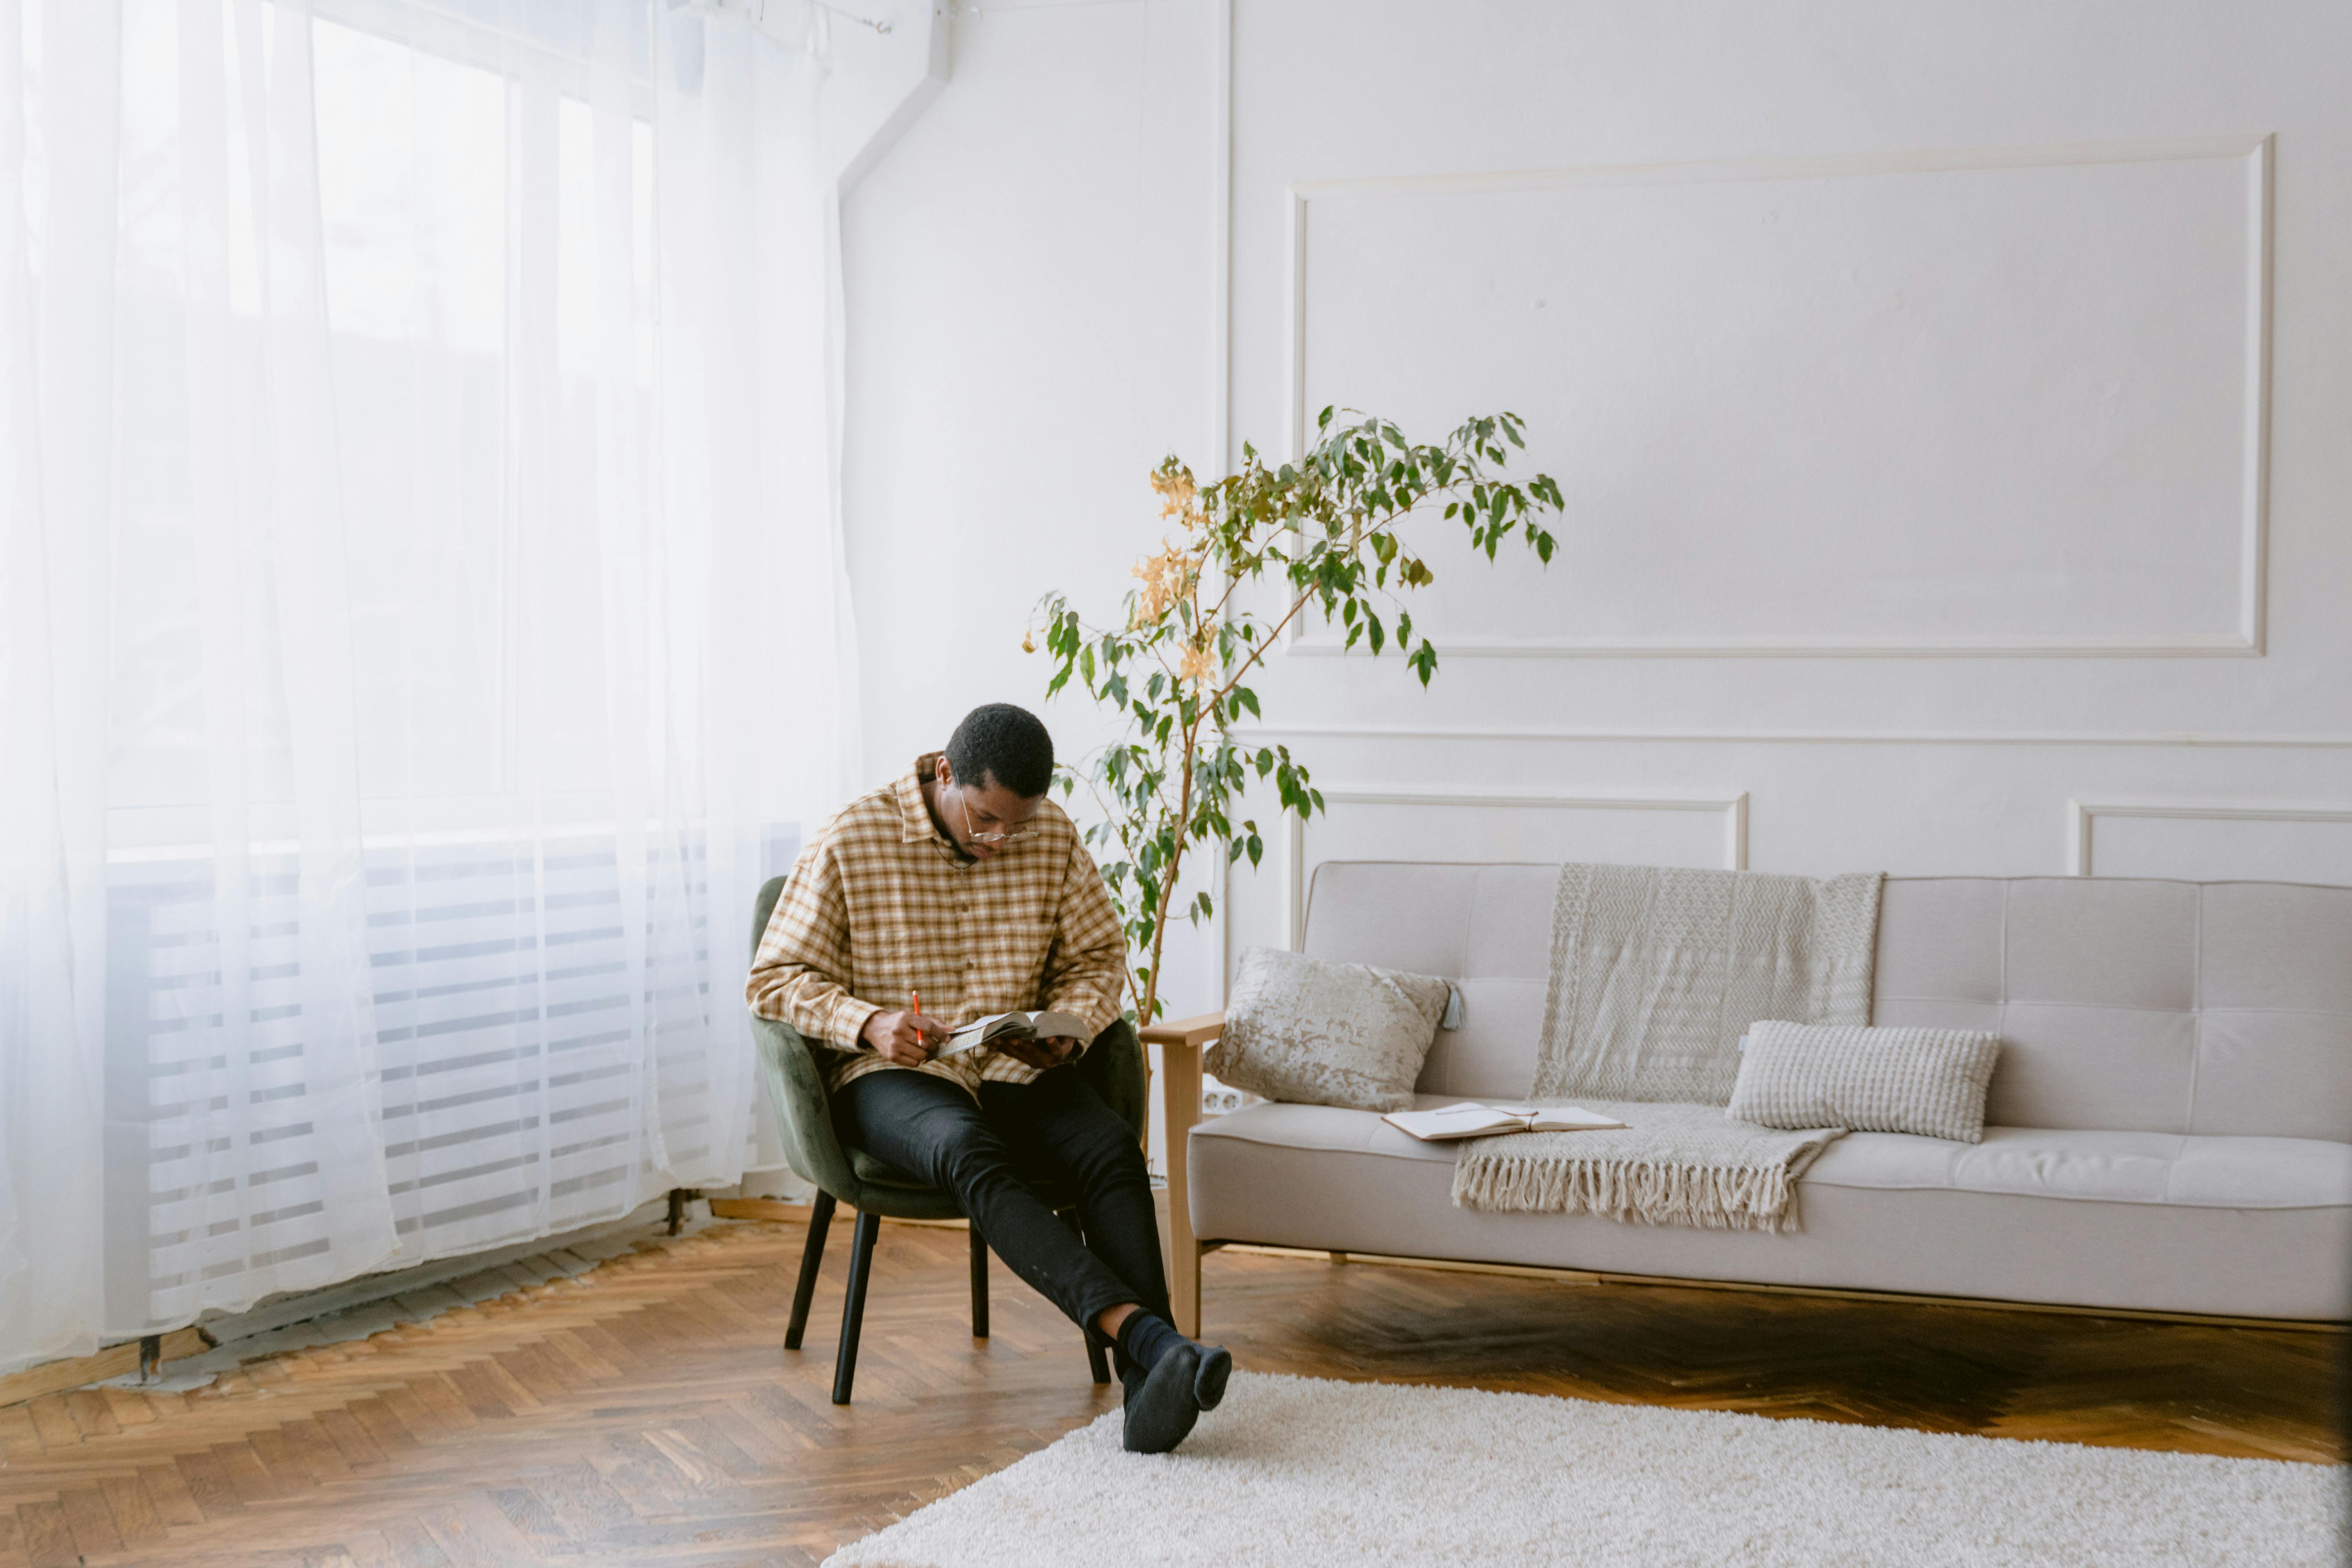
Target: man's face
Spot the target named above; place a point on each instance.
(973, 811)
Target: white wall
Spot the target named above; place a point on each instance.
(1029, 292)
(1937, 483)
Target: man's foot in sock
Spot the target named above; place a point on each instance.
(1151, 1358)
(1161, 1404)
(1209, 1382)
(1144, 1338)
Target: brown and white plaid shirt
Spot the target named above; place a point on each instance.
(880, 906)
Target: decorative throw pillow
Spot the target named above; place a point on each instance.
(1315, 1033)
(1927, 1081)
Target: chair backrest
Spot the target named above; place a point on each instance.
(795, 1085)
(763, 907)
(2158, 1006)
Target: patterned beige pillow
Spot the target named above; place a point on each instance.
(1315, 1033)
(1927, 1081)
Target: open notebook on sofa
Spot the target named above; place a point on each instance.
(1473, 1119)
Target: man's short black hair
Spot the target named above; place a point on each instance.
(1008, 743)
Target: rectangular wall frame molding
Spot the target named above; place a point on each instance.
(2083, 815)
(2245, 639)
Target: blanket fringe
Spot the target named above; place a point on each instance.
(1639, 1192)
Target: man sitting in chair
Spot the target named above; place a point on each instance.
(958, 892)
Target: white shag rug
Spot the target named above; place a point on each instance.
(1293, 1470)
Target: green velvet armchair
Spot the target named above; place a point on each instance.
(1113, 1064)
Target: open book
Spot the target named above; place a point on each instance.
(1472, 1119)
(1001, 1026)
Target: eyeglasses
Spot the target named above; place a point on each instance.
(1019, 835)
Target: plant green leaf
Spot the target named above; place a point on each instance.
(1333, 531)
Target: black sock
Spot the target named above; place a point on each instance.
(1160, 1407)
(1144, 1338)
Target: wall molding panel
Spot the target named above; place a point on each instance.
(2248, 547)
(1732, 809)
(2084, 814)
(1862, 370)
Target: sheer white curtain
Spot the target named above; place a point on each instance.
(424, 625)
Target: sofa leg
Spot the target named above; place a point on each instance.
(979, 1284)
(1097, 1363)
(812, 1258)
(853, 1308)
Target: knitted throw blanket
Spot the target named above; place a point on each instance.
(1656, 973)
(1671, 1164)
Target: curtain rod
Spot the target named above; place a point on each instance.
(881, 26)
(759, 10)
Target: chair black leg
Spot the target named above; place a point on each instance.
(811, 1258)
(979, 1285)
(853, 1308)
(1097, 1363)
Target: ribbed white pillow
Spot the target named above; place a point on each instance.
(1927, 1081)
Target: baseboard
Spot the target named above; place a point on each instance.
(1982, 1304)
(278, 1314)
(759, 1208)
(114, 1361)
(798, 1213)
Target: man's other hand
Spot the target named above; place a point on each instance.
(904, 1038)
(1049, 1052)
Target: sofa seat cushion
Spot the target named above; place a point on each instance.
(2027, 1162)
(2101, 1167)
(1333, 1128)
(2154, 1222)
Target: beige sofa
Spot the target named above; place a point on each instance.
(2169, 1128)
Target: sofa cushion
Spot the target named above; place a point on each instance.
(1487, 928)
(2253, 1226)
(1329, 1129)
(2156, 1006)
(2101, 1167)
(2026, 1161)
(2221, 1008)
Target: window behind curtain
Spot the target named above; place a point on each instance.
(547, 1018)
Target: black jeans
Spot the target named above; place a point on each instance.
(989, 1153)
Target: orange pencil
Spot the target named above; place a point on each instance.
(918, 999)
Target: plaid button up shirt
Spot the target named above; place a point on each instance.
(880, 906)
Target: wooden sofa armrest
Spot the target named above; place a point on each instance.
(1194, 1032)
(1180, 1041)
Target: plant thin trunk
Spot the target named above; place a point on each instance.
(1168, 882)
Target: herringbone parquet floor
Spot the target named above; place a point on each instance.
(645, 1413)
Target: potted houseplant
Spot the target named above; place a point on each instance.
(1335, 531)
